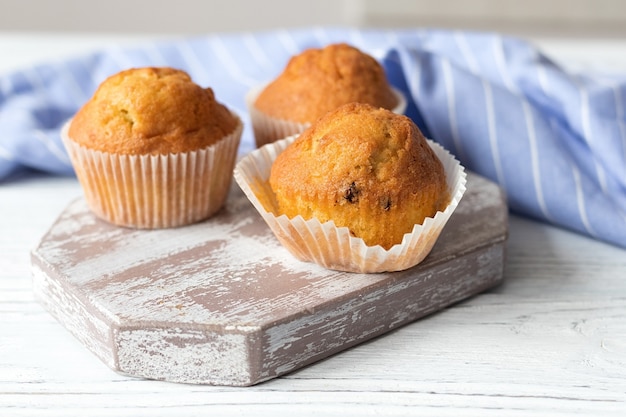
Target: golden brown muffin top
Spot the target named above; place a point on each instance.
(320, 80)
(151, 111)
(366, 168)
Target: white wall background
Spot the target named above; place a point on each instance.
(606, 18)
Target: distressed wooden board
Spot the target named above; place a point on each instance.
(221, 302)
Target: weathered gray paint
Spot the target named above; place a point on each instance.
(222, 302)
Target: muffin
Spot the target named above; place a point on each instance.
(315, 82)
(361, 190)
(152, 149)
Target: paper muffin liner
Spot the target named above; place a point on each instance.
(334, 247)
(155, 191)
(268, 129)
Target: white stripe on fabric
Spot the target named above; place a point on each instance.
(454, 129)
(357, 39)
(224, 56)
(51, 146)
(467, 54)
(413, 81)
(543, 79)
(118, 56)
(393, 42)
(491, 122)
(156, 56)
(580, 196)
(534, 159)
(619, 110)
(378, 51)
(193, 62)
(543, 82)
(288, 43)
(587, 133)
(498, 49)
(493, 139)
(619, 114)
(580, 199)
(250, 41)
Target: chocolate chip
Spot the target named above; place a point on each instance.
(385, 202)
(352, 193)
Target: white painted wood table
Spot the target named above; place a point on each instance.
(551, 340)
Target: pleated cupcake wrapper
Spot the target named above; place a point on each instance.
(155, 191)
(334, 247)
(269, 129)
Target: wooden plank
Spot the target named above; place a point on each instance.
(221, 302)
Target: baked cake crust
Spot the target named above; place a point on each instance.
(151, 111)
(320, 80)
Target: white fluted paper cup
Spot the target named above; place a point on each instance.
(155, 191)
(269, 129)
(334, 247)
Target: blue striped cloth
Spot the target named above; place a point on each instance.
(556, 142)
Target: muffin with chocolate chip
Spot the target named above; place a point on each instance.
(364, 168)
(361, 190)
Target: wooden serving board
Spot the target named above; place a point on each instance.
(222, 302)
